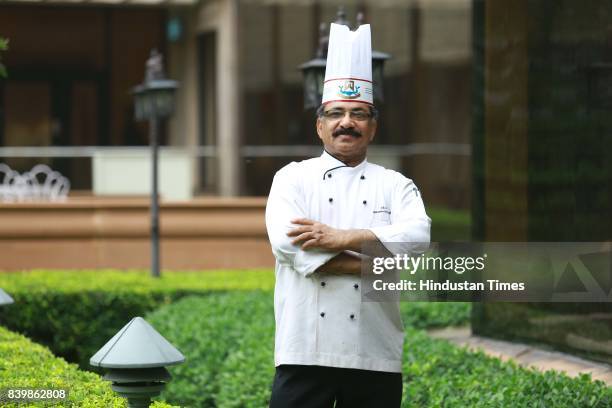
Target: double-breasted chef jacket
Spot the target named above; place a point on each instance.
(320, 318)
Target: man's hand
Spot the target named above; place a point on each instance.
(311, 234)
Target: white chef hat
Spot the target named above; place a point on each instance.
(348, 75)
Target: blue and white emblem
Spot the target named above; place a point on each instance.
(349, 90)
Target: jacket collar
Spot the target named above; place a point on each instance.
(329, 163)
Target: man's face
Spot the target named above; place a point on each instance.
(346, 129)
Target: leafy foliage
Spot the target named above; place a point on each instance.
(226, 332)
(75, 313)
(425, 315)
(24, 364)
(437, 373)
(228, 341)
(449, 225)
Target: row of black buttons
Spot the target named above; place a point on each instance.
(356, 286)
(352, 316)
(329, 175)
(331, 200)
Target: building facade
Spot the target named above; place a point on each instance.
(239, 111)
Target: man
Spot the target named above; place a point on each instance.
(331, 348)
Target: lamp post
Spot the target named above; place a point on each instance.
(135, 359)
(314, 70)
(154, 100)
(5, 298)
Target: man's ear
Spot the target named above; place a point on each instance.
(375, 126)
(319, 126)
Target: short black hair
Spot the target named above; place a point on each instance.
(373, 111)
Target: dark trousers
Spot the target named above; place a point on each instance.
(299, 386)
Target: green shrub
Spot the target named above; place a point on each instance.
(228, 341)
(75, 313)
(211, 332)
(245, 378)
(437, 373)
(424, 315)
(24, 364)
(449, 225)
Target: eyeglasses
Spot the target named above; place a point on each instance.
(337, 114)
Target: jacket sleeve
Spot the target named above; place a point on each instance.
(409, 231)
(285, 203)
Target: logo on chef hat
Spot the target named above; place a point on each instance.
(349, 90)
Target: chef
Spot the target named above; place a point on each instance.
(331, 348)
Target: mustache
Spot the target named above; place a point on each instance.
(346, 131)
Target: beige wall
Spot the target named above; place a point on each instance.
(114, 233)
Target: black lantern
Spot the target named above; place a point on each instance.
(314, 70)
(155, 97)
(314, 75)
(154, 100)
(378, 63)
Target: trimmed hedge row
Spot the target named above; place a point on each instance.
(449, 225)
(28, 365)
(437, 373)
(211, 332)
(233, 359)
(75, 313)
(238, 371)
(426, 315)
(228, 340)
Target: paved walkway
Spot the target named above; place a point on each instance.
(526, 355)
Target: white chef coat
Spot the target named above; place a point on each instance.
(320, 318)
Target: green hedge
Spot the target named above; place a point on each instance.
(426, 315)
(28, 365)
(449, 225)
(437, 373)
(228, 341)
(75, 313)
(212, 332)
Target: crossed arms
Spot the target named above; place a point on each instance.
(309, 246)
(315, 235)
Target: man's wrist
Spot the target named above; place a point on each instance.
(343, 263)
(355, 239)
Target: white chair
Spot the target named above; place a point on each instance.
(39, 184)
(6, 176)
